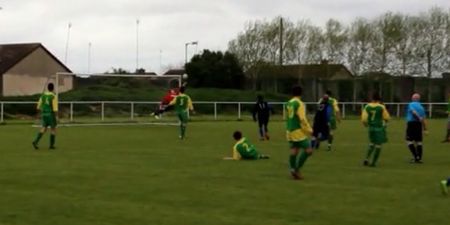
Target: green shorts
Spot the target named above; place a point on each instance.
(183, 117)
(303, 144)
(377, 135)
(48, 120)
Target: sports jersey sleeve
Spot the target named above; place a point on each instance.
(39, 103)
(190, 106)
(364, 115)
(386, 115)
(301, 113)
(55, 104)
(236, 155)
(335, 106)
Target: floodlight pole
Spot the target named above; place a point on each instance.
(89, 58)
(67, 42)
(137, 45)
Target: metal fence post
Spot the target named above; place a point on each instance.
(132, 111)
(1, 112)
(398, 110)
(239, 110)
(430, 113)
(103, 111)
(71, 111)
(343, 111)
(215, 110)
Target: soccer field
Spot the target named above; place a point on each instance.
(145, 175)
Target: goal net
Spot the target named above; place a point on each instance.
(113, 99)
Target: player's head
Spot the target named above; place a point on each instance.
(173, 91)
(328, 92)
(376, 97)
(325, 99)
(415, 97)
(237, 135)
(297, 91)
(182, 89)
(50, 87)
(260, 98)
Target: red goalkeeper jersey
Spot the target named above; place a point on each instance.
(169, 96)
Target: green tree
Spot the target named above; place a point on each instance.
(215, 69)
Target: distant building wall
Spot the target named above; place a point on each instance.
(29, 76)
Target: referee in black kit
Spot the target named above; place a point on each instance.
(261, 113)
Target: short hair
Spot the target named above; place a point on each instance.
(328, 92)
(297, 91)
(376, 97)
(260, 98)
(182, 89)
(50, 87)
(237, 135)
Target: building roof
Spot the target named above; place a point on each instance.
(309, 71)
(12, 54)
(175, 72)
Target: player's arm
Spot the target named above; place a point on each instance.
(336, 110)
(190, 105)
(55, 106)
(254, 111)
(301, 113)
(386, 116)
(38, 107)
(174, 100)
(364, 117)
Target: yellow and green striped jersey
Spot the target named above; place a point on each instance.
(375, 114)
(48, 103)
(182, 103)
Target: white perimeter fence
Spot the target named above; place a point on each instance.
(132, 110)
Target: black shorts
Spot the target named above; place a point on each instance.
(322, 129)
(414, 131)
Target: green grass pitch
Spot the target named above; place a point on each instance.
(145, 175)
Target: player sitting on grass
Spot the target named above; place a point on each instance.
(243, 149)
(321, 127)
(48, 108)
(375, 116)
(164, 105)
(444, 185)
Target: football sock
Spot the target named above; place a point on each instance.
(302, 159)
(330, 139)
(38, 137)
(313, 143)
(370, 151)
(52, 140)
(419, 151)
(448, 182)
(448, 135)
(261, 132)
(376, 155)
(412, 149)
(292, 161)
(182, 130)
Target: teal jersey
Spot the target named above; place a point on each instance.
(47, 103)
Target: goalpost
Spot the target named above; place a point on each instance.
(113, 112)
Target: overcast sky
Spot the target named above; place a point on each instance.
(165, 25)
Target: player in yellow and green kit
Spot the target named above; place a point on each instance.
(243, 149)
(335, 116)
(375, 116)
(183, 104)
(48, 108)
(297, 132)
